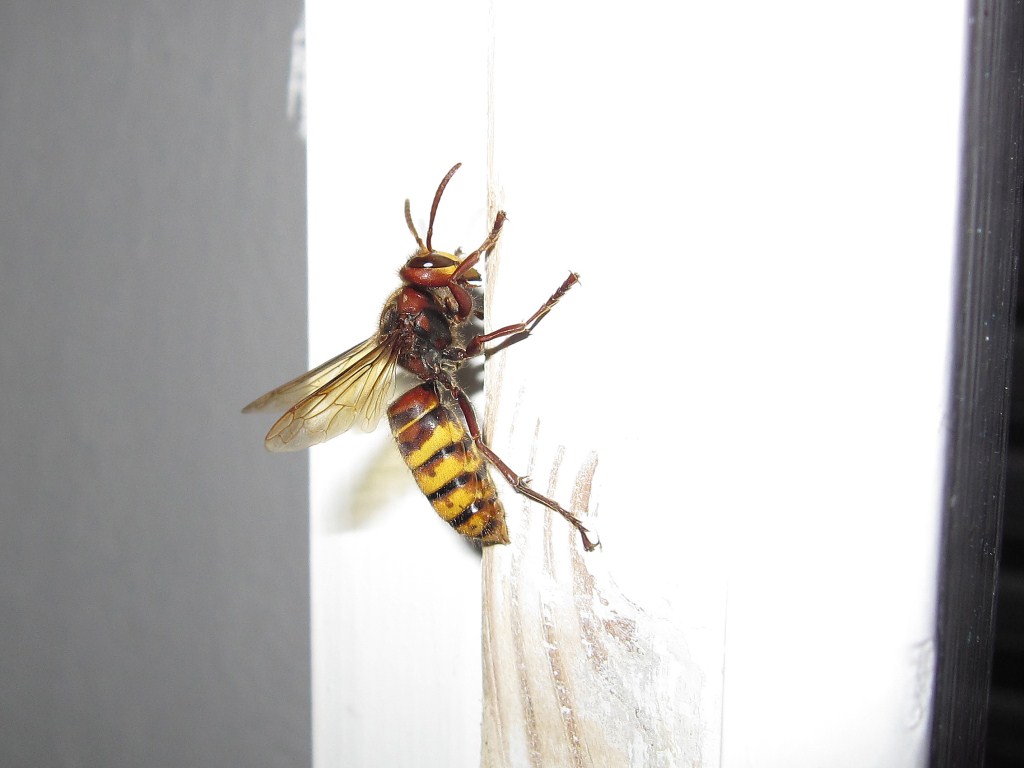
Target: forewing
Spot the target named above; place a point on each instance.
(354, 387)
(290, 393)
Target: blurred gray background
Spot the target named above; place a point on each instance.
(153, 558)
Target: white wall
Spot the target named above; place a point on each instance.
(153, 558)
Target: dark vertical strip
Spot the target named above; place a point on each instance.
(990, 221)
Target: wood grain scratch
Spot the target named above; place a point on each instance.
(576, 674)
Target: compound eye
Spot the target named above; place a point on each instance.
(431, 261)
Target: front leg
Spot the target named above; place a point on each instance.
(476, 344)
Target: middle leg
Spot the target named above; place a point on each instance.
(476, 344)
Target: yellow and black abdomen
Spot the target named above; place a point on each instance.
(447, 465)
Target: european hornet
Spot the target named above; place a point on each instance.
(420, 331)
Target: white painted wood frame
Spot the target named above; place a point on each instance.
(748, 389)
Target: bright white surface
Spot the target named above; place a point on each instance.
(397, 96)
(761, 201)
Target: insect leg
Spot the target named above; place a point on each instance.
(519, 483)
(454, 284)
(471, 260)
(476, 344)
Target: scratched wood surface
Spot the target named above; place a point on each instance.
(578, 671)
(575, 673)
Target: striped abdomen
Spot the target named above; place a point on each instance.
(447, 465)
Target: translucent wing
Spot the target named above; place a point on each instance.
(290, 393)
(357, 385)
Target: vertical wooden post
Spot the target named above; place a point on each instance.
(757, 356)
(746, 391)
